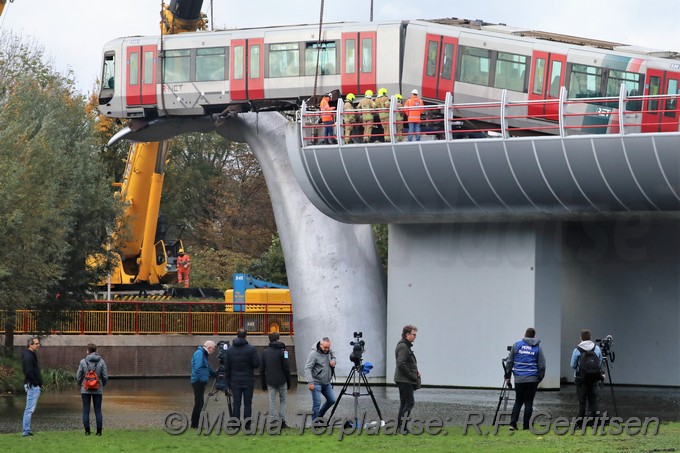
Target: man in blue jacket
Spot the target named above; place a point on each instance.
(586, 380)
(200, 372)
(526, 362)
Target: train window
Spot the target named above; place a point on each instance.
(671, 102)
(447, 64)
(432, 48)
(555, 72)
(654, 90)
(238, 62)
(367, 55)
(148, 68)
(539, 76)
(510, 71)
(475, 65)
(177, 66)
(254, 61)
(109, 71)
(210, 64)
(324, 53)
(585, 81)
(284, 60)
(350, 55)
(134, 68)
(630, 79)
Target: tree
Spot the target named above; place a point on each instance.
(271, 266)
(55, 203)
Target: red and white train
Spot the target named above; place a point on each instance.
(276, 67)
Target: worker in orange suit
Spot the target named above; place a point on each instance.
(183, 268)
(327, 118)
(414, 106)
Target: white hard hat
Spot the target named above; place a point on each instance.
(414, 91)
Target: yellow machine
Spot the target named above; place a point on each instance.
(272, 300)
(145, 259)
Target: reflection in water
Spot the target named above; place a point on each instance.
(145, 403)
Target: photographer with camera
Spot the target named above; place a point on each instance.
(587, 361)
(406, 374)
(200, 372)
(526, 361)
(319, 371)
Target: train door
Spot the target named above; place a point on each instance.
(247, 69)
(546, 79)
(358, 62)
(140, 86)
(438, 69)
(661, 114)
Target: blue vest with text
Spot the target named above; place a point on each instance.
(526, 359)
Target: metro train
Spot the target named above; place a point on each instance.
(275, 68)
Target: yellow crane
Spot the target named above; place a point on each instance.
(143, 259)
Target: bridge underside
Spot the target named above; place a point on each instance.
(489, 237)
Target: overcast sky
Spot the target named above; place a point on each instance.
(74, 31)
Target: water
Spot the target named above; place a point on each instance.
(145, 403)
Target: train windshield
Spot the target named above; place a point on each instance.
(108, 79)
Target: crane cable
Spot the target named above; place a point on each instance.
(212, 21)
(318, 49)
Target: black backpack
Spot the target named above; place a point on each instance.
(589, 364)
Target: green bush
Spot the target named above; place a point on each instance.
(12, 377)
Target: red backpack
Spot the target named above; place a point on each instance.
(91, 380)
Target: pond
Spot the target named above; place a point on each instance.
(145, 403)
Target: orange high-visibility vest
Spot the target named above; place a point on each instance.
(326, 109)
(413, 115)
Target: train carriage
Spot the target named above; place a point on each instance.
(277, 67)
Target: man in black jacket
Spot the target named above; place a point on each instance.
(242, 360)
(275, 376)
(32, 382)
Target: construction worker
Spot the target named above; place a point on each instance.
(383, 102)
(414, 106)
(349, 118)
(399, 126)
(367, 104)
(183, 267)
(327, 118)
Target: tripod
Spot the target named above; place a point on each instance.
(215, 390)
(504, 397)
(356, 377)
(605, 365)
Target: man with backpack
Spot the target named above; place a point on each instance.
(587, 361)
(92, 376)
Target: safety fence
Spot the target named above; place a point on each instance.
(158, 318)
(563, 116)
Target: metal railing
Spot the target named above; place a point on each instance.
(621, 115)
(159, 318)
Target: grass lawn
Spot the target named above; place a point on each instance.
(292, 440)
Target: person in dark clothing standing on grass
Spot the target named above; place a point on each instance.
(527, 362)
(275, 376)
(586, 380)
(242, 361)
(200, 373)
(93, 361)
(32, 382)
(406, 374)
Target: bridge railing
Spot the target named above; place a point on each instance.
(153, 317)
(564, 116)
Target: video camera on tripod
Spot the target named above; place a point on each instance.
(221, 379)
(356, 356)
(605, 345)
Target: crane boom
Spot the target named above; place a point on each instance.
(144, 257)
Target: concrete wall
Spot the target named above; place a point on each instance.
(621, 279)
(135, 355)
(472, 289)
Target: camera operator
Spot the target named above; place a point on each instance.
(406, 374)
(200, 372)
(319, 371)
(586, 379)
(526, 361)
